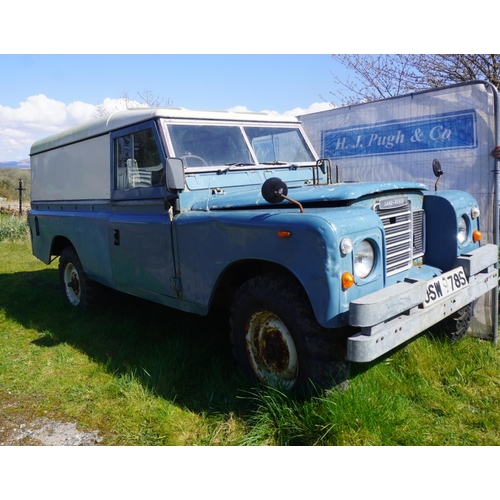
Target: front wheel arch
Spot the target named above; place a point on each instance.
(238, 273)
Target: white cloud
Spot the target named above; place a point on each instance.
(79, 111)
(110, 105)
(313, 108)
(239, 109)
(39, 116)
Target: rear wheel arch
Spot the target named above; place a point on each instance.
(58, 245)
(77, 288)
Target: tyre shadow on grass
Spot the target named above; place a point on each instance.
(178, 356)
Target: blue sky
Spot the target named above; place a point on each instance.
(277, 82)
(59, 64)
(41, 94)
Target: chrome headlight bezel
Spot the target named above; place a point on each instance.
(462, 229)
(364, 259)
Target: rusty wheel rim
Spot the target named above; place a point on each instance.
(72, 284)
(272, 352)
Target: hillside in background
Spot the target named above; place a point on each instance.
(16, 164)
(9, 183)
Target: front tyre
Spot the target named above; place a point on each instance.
(277, 340)
(76, 288)
(455, 326)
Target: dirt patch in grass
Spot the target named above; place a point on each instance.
(17, 428)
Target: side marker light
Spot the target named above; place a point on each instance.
(284, 234)
(347, 280)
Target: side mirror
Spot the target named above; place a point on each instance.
(175, 175)
(438, 172)
(274, 190)
(436, 167)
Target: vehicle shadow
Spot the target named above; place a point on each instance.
(178, 356)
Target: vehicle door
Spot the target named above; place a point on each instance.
(140, 229)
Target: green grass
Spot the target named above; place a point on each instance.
(13, 227)
(143, 374)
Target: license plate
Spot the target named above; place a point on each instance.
(444, 285)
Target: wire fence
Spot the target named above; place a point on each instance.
(12, 207)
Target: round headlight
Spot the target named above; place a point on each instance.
(462, 230)
(364, 259)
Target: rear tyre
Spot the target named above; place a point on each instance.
(76, 288)
(277, 340)
(455, 327)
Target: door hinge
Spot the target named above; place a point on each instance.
(175, 284)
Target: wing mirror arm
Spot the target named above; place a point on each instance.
(175, 183)
(325, 165)
(436, 168)
(274, 190)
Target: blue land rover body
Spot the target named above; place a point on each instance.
(197, 209)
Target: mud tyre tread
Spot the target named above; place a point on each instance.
(455, 326)
(322, 363)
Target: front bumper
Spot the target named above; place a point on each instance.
(395, 314)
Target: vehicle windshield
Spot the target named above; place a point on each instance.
(202, 146)
(273, 145)
(209, 145)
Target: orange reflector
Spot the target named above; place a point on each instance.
(476, 235)
(347, 280)
(284, 234)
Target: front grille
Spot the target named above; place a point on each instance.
(418, 233)
(404, 235)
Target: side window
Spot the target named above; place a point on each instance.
(137, 161)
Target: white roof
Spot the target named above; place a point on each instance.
(120, 119)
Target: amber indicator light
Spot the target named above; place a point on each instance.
(347, 280)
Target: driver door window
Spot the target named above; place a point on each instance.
(137, 161)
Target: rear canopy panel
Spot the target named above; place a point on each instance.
(74, 172)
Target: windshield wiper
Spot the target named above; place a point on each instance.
(235, 164)
(276, 163)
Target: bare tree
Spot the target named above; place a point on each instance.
(444, 69)
(388, 75)
(151, 100)
(147, 99)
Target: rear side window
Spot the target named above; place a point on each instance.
(137, 160)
